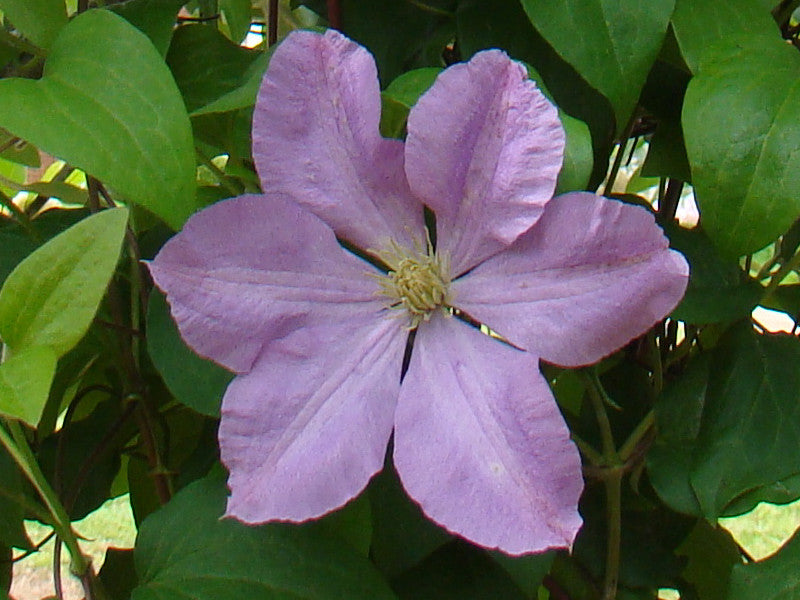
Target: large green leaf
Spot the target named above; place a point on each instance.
(775, 578)
(51, 297)
(194, 381)
(214, 74)
(25, 380)
(730, 425)
(108, 104)
(185, 550)
(38, 20)
(611, 44)
(699, 24)
(741, 121)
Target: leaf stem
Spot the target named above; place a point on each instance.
(637, 435)
(598, 396)
(17, 446)
(786, 268)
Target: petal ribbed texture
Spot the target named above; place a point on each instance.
(484, 149)
(316, 140)
(480, 444)
(252, 269)
(590, 276)
(303, 432)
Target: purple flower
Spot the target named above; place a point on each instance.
(261, 285)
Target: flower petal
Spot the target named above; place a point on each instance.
(304, 431)
(590, 276)
(481, 445)
(316, 140)
(484, 149)
(251, 269)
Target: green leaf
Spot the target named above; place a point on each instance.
(578, 158)
(186, 550)
(12, 499)
(527, 571)
(118, 574)
(457, 571)
(212, 73)
(718, 425)
(711, 553)
(408, 88)
(352, 524)
(194, 381)
(611, 44)
(718, 290)
(741, 121)
(699, 24)
(401, 535)
(775, 578)
(400, 35)
(108, 105)
(51, 297)
(237, 15)
(38, 20)
(25, 380)
(400, 95)
(20, 152)
(154, 18)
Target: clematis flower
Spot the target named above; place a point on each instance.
(317, 334)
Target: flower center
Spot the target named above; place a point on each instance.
(418, 281)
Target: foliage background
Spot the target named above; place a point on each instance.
(146, 105)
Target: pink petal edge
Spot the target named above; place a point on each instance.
(316, 140)
(590, 276)
(251, 269)
(306, 429)
(483, 151)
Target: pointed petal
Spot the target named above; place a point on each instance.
(481, 445)
(304, 431)
(590, 276)
(251, 269)
(484, 149)
(316, 140)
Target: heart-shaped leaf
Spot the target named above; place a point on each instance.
(108, 105)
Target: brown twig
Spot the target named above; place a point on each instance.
(272, 25)
(335, 14)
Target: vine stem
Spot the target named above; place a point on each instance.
(17, 447)
(612, 481)
(613, 485)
